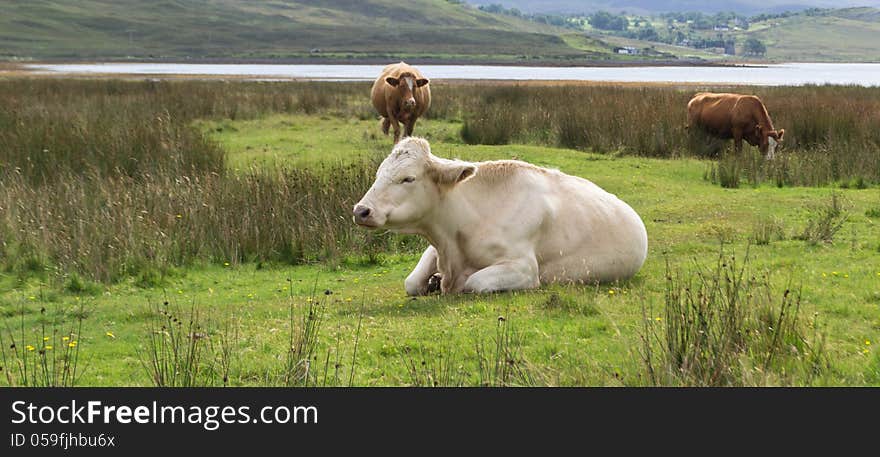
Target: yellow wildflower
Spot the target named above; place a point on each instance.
(658, 318)
(867, 342)
(611, 292)
(48, 347)
(65, 338)
(71, 344)
(45, 338)
(110, 334)
(29, 347)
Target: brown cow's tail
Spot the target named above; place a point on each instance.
(691, 116)
(385, 124)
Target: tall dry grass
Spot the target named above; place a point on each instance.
(726, 325)
(44, 353)
(118, 226)
(832, 132)
(110, 178)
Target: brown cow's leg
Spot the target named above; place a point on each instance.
(396, 127)
(386, 123)
(738, 141)
(410, 126)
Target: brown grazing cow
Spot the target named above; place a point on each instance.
(736, 116)
(400, 94)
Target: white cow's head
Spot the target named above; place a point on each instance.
(409, 185)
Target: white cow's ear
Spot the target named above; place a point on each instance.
(455, 172)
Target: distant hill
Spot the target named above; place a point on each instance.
(382, 30)
(266, 29)
(814, 35)
(659, 6)
(851, 34)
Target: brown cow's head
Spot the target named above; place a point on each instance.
(406, 84)
(769, 140)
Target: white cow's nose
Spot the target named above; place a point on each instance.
(361, 213)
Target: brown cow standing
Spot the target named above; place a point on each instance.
(735, 116)
(400, 94)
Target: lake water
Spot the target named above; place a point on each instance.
(782, 74)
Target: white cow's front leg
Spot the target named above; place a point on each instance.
(510, 275)
(417, 281)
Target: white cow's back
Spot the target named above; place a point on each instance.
(577, 231)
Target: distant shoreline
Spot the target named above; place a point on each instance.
(634, 74)
(413, 61)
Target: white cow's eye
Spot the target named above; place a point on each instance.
(408, 179)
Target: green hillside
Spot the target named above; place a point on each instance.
(267, 29)
(387, 29)
(851, 34)
(815, 35)
(661, 6)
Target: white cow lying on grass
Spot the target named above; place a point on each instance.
(502, 225)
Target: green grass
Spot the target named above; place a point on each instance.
(568, 335)
(302, 141)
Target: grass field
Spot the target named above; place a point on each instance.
(248, 320)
